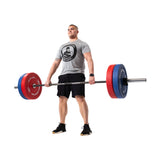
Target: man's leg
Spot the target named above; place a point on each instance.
(62, 108)
(62, 112)
(84, 112)
(83, 108)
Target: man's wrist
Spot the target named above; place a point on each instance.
(91, 75)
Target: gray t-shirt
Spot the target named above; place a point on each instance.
(72, 55)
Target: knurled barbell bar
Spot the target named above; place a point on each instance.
(30, 86)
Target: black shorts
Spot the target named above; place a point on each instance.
(77, 89)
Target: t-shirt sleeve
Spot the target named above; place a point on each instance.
(59, 55)
(85, 48)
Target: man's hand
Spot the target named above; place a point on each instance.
(91, 80)
(47, 83)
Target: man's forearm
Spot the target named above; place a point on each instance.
(91, 66)
(53, 69)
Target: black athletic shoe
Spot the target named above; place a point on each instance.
(60, 129)
(86, 130)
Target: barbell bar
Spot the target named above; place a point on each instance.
(30, 86)
(87, 82)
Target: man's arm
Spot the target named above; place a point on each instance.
(52, 71)
(89, 60)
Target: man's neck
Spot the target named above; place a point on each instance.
(74, 39)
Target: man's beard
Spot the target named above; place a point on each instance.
(72, 36)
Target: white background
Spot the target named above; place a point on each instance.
(125, 31)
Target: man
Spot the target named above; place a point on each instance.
(72, 54)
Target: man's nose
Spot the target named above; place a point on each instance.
(70, 30)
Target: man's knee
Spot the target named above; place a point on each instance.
(63, 99)
(80, 99)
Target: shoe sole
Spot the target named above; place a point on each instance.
(58, 132)
(85, 134)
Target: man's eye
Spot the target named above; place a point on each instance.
(70, 29)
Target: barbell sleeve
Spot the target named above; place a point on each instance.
(137, 80)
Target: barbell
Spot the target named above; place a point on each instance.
(30, 85)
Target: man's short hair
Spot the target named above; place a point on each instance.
(74, 26)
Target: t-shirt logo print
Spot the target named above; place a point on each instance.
(69, 52)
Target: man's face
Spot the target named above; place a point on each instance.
(72, 32)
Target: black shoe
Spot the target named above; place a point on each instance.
(60, 129)
(86, 130)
